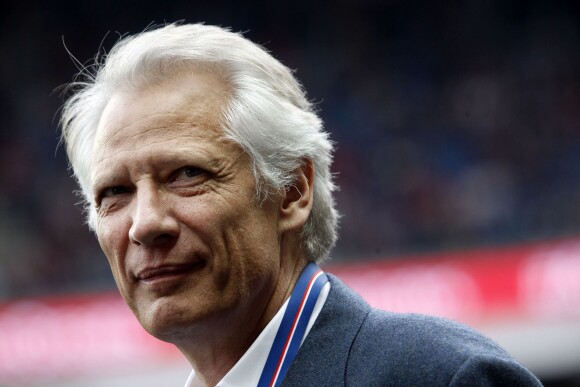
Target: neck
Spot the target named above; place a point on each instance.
(216, 346)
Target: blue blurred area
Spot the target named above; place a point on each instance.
(457, 124)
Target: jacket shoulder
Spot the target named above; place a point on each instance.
(414, 349)
(355, 345)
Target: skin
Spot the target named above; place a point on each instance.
(198, 260)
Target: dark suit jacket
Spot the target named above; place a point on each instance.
(353, 344)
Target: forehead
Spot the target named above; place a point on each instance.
(188, 104)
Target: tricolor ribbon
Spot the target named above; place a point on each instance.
(293, 326)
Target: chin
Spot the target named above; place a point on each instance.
(168, 321)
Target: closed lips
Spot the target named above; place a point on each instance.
(165, 270)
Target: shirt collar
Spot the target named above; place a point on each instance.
(246, 372)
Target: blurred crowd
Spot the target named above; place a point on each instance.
(457, 126)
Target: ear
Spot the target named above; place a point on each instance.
(297, 199)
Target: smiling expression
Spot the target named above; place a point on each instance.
(177, 217)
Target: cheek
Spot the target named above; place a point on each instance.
(107, 237)
(252, 243)
(113, 240)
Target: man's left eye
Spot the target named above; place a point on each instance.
(188, 173)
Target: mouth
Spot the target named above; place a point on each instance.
(165, 272)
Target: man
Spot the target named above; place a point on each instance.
(207, 179)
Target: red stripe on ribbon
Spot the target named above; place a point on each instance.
(283, 355)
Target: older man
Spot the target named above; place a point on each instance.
(206, 174)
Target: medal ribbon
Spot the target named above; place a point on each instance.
(293, 326)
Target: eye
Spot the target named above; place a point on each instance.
(187, 173)
(114, 191)
(110, 195)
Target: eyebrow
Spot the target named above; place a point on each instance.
(176, 158)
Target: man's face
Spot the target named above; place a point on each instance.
(176, 214)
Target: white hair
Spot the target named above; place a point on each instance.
(267, 113)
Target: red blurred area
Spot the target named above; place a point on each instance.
(513, 287)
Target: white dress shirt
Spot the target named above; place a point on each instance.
(247, 371)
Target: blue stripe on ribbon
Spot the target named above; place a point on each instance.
(285, 329)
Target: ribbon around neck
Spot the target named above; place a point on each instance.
(293, 326)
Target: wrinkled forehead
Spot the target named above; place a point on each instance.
(193, 96)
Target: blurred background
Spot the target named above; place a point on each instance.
(458, 132)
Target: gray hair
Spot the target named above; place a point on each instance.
(267, 114)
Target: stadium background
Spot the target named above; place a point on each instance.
(457, 124)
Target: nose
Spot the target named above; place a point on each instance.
(153, 221)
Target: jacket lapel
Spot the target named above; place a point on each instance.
(323, 356)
